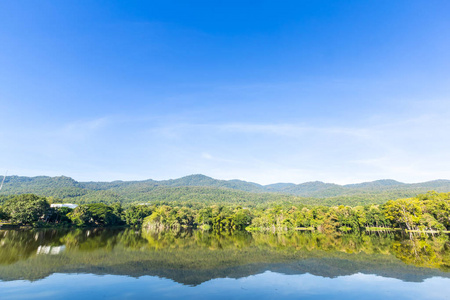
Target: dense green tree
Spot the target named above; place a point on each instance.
(406, 213)
(241, 218)
(26, 208)
(59, 215)
(136, 214)
(97, 214)
(3, 214)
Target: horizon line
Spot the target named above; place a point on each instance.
(196, 174)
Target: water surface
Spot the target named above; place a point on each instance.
(117, 264)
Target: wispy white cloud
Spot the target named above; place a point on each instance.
(81, 129)
(206, 155)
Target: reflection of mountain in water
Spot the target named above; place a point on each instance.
(330, 268)
(195, 257)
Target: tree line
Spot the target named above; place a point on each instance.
(425, 212)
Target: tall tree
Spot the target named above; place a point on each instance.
(26, 208)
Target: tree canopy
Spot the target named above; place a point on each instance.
(26, 208)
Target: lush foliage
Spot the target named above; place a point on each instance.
(136, 214)
(217, 217)
(26, 209)
(429, 211)
(97, 214)
(426, 212)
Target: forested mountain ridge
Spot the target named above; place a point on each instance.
(203, 188)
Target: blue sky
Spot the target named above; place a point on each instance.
(264, 91)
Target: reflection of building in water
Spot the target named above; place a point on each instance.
(52, 250)
(69, 205)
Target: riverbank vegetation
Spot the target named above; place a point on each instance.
(428, 212)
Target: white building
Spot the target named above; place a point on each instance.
(69, 205)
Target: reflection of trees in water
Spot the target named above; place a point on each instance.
(20, 244)
(428, 251)
(92, 239)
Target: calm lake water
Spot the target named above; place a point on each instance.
(135, 264)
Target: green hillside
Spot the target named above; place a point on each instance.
(201, 188)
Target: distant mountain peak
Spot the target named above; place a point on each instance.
(199, 176)
(376, 183)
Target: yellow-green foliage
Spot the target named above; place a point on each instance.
(429, 211)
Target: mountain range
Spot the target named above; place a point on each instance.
(205, 188)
